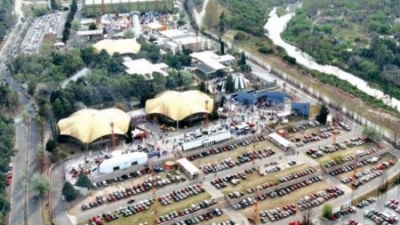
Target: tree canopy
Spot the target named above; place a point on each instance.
(40, 183)
(69, 192)
(83, 181)
(372, 134)
(359, 36)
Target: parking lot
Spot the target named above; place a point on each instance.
(47, 24)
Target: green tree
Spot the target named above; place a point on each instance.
(221, 24)
(229, 84)
(54, 5)
(92, 26)
(326, 210)
(32, 87)
(51, 145)
(202, 87)
(372, 134)
(323, 114)
(75, 25)
(242, 61)
(83, 181)
(128, 34)
(69, 192)
(40, 183)
(222, 45)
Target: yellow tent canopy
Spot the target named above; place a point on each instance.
(179, 105)
(87, 125)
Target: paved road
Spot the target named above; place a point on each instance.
(17, 194)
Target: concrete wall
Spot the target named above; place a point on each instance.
(124, 7)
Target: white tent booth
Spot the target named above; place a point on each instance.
(123, 161)
(280, 141)
(188, 168)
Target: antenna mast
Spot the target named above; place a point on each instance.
(112, 136)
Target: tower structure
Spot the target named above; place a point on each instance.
(206, 113)
(112, 135)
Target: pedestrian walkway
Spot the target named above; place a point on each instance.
(215, 193)
(236, 217)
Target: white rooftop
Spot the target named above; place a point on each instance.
(89, 32)
(281, 140)
(98, 2)
(174, 33)
(154, 25)
(189, 166)
(187, 40)
(209, 58)
(144, 67)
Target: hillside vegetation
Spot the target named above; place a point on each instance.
(359, 36)
(6, 17)
(250, 15)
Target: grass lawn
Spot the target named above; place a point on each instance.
(346, 152)
(162, 210)
(293, 197)
(48, 43)
(254, 179)
(235, 153)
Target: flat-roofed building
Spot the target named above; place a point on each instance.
(94, 7)
(208, 62)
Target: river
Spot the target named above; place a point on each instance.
(276, 26)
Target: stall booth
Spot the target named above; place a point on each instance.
(188, 168)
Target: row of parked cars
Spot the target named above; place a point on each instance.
(351, 222)
(380, 217)
(372, 173)
(189, 210)
(366, 202)
(128, 192)
(318, 198)
(305, 126)
(284, 191)
(129, 210)
(135, 174)
(223, 182)
(227, 163)
(278, 213)
(201, 218)
(351, 167)
(349, 158)
(393, 204)
(258, 154)
(246, 202)
(297, 175)
(343, 212)
(212, 151)
(182, 194)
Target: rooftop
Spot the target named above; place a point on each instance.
(144, 67)
(174, 33)
(98, 2)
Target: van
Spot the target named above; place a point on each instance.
(284, 121)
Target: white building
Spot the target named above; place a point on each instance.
(206, 140)
(145, 68)
(188, 168)
(123, 161)
(280, 141)
(208, 62)
(182, 39)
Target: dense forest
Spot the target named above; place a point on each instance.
(250, 15)
(106, 84)
(359, 36)
(6, 17)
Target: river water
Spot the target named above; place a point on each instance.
(276, 25)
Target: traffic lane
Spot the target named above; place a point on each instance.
(17, 195)
(33, 199)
